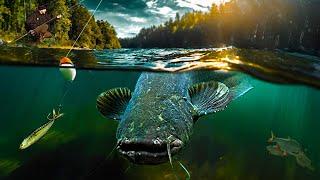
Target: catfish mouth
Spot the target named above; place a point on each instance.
(153, 151)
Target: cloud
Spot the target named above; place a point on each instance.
(151, 4)
(192, 5)
(138, 19)
(129, 16)
(128, 31)
(199, 5)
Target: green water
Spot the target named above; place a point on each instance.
(228, 145)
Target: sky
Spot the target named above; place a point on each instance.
(129, 16)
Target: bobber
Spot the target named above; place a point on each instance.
(67, 69)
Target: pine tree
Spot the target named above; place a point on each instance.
(109, 35)
(61, 26)
(79, 18)
(65, 30)
(30, 6)
(17, 17)
(3, 11)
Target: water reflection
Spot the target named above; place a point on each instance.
(275, 66)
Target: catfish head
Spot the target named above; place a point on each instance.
(155, 124)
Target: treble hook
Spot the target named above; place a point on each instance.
(49, 117)
(54, 115)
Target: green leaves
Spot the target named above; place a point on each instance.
(61, 26)
(109, 35)
(99, 35)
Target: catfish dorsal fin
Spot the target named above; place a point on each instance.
(209, 97)
(112, 103)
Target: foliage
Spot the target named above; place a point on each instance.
(63, 25)
(247, 23)
(108, 39)
(65, 30)
(3, 11)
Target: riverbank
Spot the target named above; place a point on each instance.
(63, 47)
(9, 43)
(45, 56)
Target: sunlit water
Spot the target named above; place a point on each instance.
(230, 144)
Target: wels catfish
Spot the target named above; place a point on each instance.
(157, 118)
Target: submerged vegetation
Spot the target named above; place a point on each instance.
(269, 24)
(98, 34)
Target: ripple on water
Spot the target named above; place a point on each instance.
(270, 65)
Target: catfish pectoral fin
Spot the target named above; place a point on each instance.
(209, 97)
(238, 85)
(113, 103)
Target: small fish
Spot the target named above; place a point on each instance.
(276, 151)
(304, 161)
(289, 145)
(67, 69)
(41, 131)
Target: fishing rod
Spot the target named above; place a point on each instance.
(56, 17)
(40, 132)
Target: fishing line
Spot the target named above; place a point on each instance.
(84, 28)
(43, 24)
(60, 104)
(100, 164)
(129, 167)
(68, 84)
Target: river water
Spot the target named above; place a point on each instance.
(230, 144)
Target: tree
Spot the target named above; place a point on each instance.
(61, 26)
(65, 30)
(109, 35)
(3, 11)
(79, 19)
(247, 23)
(17, 16)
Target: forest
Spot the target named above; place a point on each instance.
(283, 24)
(97, 35)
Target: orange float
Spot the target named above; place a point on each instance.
(67, 69)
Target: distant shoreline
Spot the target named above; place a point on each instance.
(64, 47)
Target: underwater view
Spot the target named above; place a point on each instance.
(178, 89)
